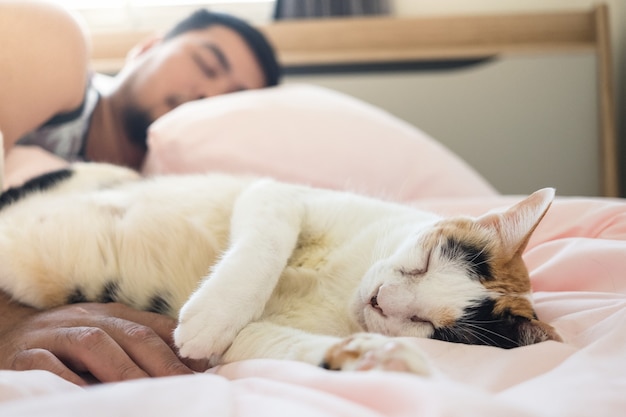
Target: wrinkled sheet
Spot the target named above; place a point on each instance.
(577, 261)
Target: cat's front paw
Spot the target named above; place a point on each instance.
(203, 334)
(368, 351)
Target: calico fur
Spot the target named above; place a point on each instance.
(254, 268)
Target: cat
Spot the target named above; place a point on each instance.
(255, 268)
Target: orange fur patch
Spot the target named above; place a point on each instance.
(510, 275)
(445, 317)
(338, 355)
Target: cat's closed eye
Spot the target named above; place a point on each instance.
(416, 272)
(418, 319)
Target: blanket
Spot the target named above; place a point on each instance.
(576, 259)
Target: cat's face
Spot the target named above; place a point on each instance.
(460, 280)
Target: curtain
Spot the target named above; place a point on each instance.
(301, 9)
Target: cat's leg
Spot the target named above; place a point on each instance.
(265, 225)
(368, 351)
(358, 352)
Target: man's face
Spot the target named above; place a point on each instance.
(193, 65)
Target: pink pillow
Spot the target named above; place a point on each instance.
(311, 135)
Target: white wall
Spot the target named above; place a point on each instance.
(617, 10)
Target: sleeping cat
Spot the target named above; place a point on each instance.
(254, 268)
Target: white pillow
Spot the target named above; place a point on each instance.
(311, 135)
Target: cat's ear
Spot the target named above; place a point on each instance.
(515, 225)
(535, 331)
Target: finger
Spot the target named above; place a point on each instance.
(146, 348)
(91, 349)
(196, 365)
(143, 336)
(162, 325)
(44, 360)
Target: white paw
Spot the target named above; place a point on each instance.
(205, 332)
(368, 351)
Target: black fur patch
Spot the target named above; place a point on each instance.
(476, 258)
(158, 304)
(40, 183)
(479, 326)
(109, 293)
(76, 296)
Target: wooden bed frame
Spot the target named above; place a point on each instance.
(371, 40)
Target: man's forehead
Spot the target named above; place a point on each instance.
(216, 34)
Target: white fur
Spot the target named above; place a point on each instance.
(257, 268)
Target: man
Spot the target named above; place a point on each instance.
(48, 98)
(206, 54)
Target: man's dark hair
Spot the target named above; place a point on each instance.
(263, 51)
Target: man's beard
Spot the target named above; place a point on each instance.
(136, 123)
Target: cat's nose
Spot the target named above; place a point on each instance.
(390, 300)
(397, 302)
(375, 306)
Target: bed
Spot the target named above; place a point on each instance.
(576, 259)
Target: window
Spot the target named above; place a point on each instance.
(104, 15)
(99, 4)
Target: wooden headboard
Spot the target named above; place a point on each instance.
(319, 42)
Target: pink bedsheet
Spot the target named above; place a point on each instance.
(577, 260)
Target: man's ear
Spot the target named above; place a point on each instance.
(143, 46)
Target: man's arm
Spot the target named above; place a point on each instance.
(44, 65)
(110, 342)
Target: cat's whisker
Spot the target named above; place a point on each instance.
(445, 334)
(460, 335)
(478, 322)
(477, 255)
(466, 333)
(470, 333)
(480, 263)
(482, 329)
(454, 334)
(478, 335)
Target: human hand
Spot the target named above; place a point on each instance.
(108, 342)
